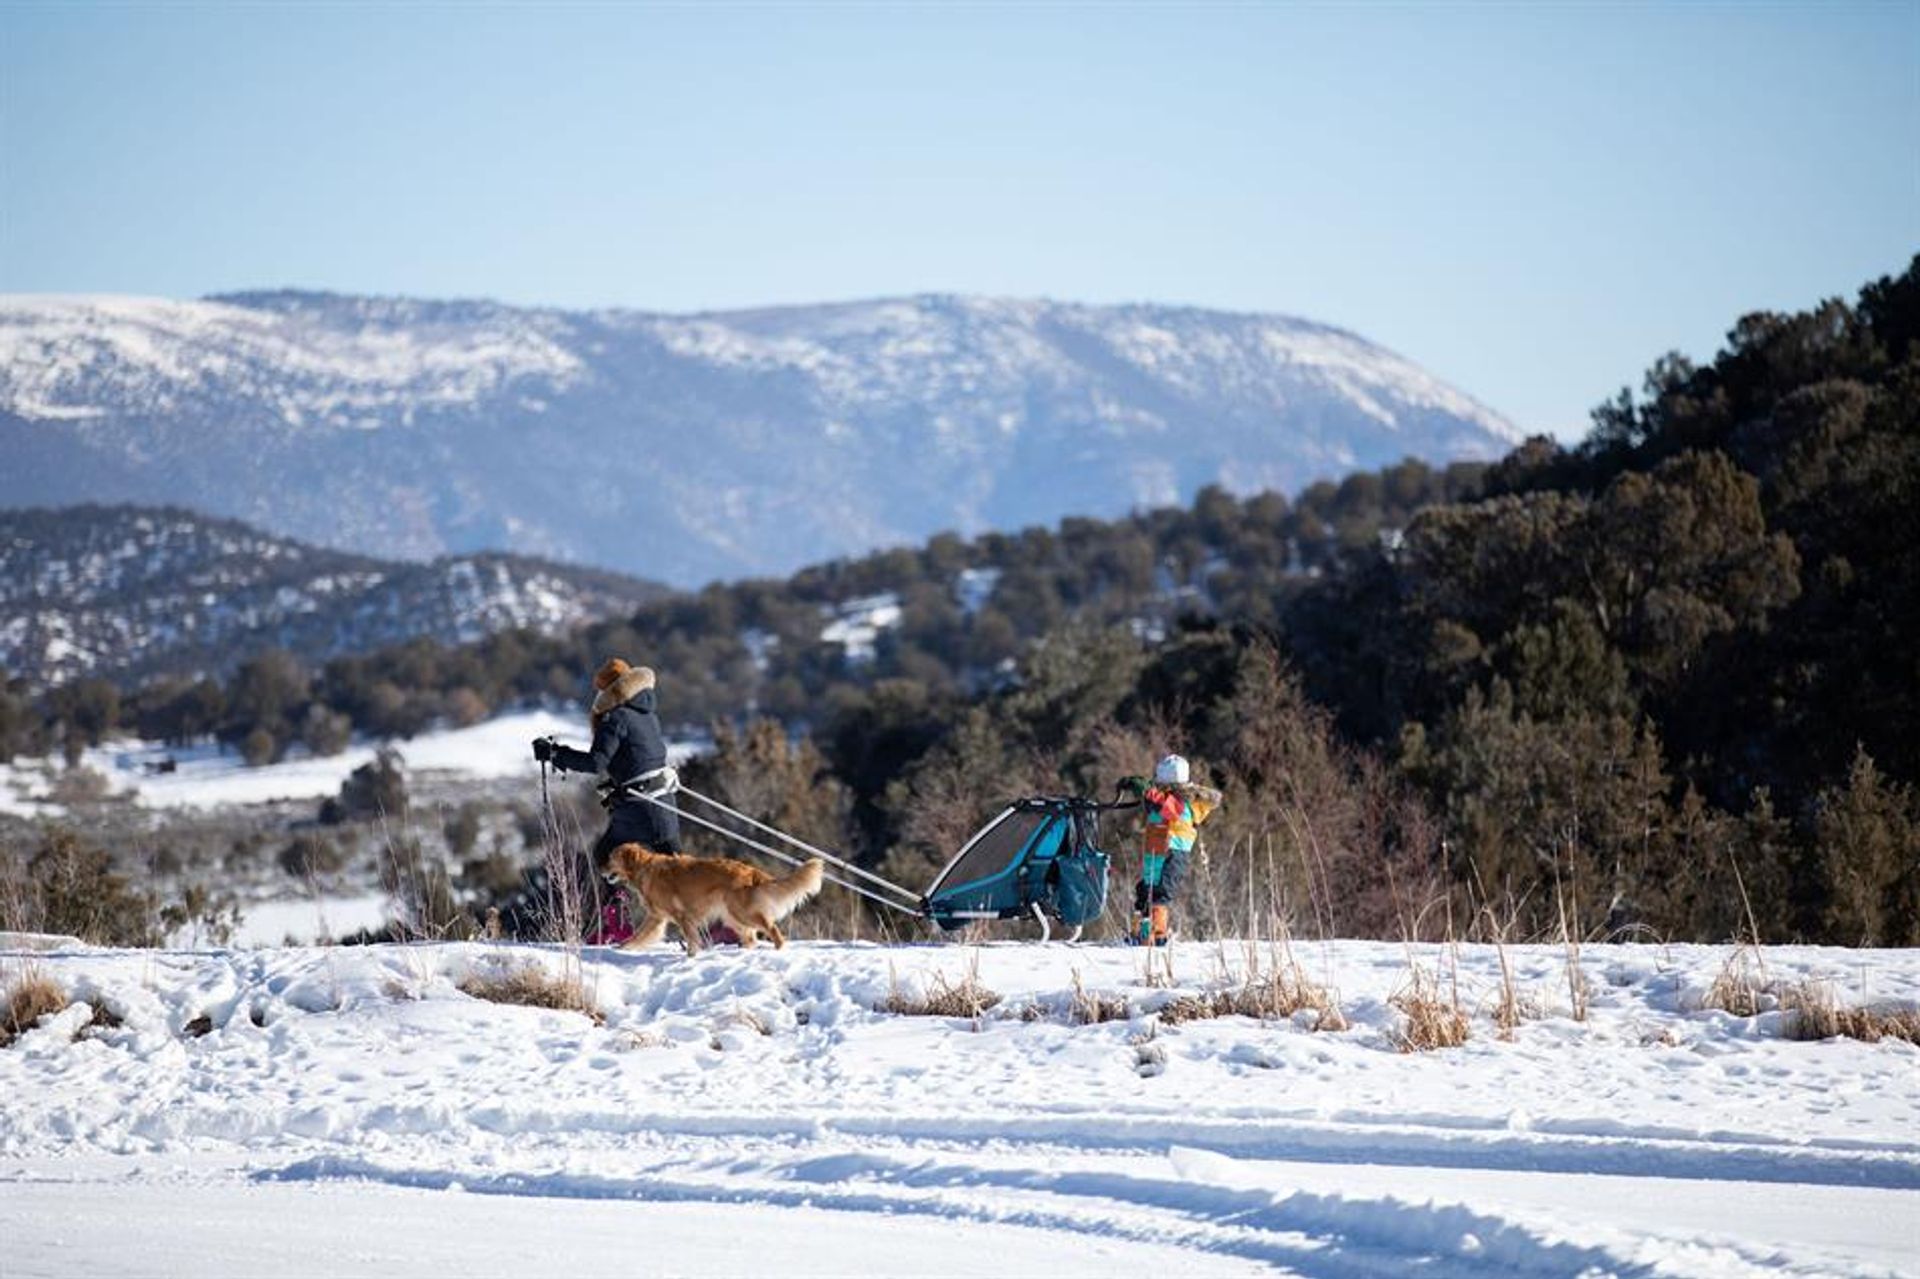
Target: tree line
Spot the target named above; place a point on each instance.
(737, 650)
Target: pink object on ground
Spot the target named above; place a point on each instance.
(612, 927)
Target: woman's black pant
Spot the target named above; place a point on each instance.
(655, 827)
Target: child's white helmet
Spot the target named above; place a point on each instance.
(1171, 771)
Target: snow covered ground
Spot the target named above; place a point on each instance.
(311, 918)
(350, 1110)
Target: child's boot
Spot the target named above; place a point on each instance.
(1160, 926)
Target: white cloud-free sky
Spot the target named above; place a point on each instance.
(1533, 202)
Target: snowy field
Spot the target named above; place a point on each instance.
(205, 776)
(351, 1111)
(311, 918)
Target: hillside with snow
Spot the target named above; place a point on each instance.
(159, 776)
(684, 448)
(128, 592)
(224, 1112)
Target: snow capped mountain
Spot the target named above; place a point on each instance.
(689, 447)
(97, 357)
(127, 591)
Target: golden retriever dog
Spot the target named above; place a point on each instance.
(692, 892)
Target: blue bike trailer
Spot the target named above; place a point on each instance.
(1037, 857)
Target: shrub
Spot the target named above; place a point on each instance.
(465, 707)
(311, 854)
(1276, 995)
(1433, 1019)
(377, 788)
(423, 891)
(1090, 1008)
(33, 995)
(532, 986)
(79, 786)
(325, 732)
(1741, 987)
(944, 996)
(462, 829)
(71, 888)
(1818, 1014)
(259, 747)
(1866, 832)
(211, 916)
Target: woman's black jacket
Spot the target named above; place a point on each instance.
(626, 743)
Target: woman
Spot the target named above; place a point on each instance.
(630, 755)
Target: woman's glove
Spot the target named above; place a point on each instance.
(1135, 786)
(543, 749)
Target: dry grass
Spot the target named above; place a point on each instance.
(744, 1019)
(1149, 1057)
(1157, 966)
(532, 986)
(945, 996)
(1566, 900)
(1579, 989)
(1508, 1010)
(103, 1019)
(1434, 1018)
(1090, 1008)
(1819, 1014)
(1278, 994)
(32, 995)
(1742, 986)
(1185, 1008)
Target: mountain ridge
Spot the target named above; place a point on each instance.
(135, 591)
(690, 447)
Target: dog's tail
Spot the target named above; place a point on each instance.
(784, 894)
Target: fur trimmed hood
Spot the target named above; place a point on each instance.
(616, 684)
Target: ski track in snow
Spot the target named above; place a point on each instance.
(1657, 1138)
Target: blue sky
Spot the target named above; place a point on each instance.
(1532, 201)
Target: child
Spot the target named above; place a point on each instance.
(1175, 809)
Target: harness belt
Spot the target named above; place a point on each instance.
(654, 784)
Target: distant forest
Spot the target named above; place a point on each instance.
(1663, 682)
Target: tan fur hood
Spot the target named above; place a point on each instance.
(626, 685)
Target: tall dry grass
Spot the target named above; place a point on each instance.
(31, 995)
(965, 996)
(1431, 1013)
(1817, 1013)
(1090, 1008)
(1268, 984)
(531, 985)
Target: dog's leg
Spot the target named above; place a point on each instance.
(689, 934)
(650, 935)
(742, 924)
(772, 930)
